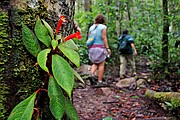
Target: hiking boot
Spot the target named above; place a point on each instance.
(101, 84)
(93, 80)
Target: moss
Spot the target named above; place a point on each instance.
(175, 100)
(19, 78)
(3, 59)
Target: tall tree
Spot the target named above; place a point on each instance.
(165, 32)
(117, 17)
(67, 8)
(78, 5)
(17, 66)
(128, 11)
(107, 10)
(87, 5)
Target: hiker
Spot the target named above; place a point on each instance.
(100, 49)
(127, 52)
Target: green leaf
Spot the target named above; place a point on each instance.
(30, 41)
(78, 76)
(42, 33)
(70, 44)
(42, 59)
(71, 54)
(168, 104)
(107, 118)
(63, 74)
(48, 27)
(54, 44)
(57, 99)
(70, 110)
(134, 96)
(24, 110)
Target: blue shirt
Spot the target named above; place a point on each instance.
(130, 40)
(99, 29)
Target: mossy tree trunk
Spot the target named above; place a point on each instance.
(172, 97)
(19, 77)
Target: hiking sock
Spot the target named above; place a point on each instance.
(100, 81)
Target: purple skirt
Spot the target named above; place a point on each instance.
(97, 54)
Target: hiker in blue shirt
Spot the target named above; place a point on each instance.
(99, 51)
(127, 54)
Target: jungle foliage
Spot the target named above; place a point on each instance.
(144, 20)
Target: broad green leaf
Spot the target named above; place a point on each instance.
(71, 54)
(57, 99)
(54, 44)
(24, 110)
(42, 59)
(30, 41)
(48, 27)
(70, 44)
(78, 76)
(63, 74)
(42, 33)
(70, 110)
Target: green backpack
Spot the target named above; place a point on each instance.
(123, 43)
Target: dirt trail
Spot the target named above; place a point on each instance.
(97, 103)
(120, 104)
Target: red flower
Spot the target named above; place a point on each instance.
(62, 19)
(75, 35)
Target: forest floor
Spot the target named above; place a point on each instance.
(113, 103)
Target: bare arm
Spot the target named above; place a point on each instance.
(104, 38)
(134, 49)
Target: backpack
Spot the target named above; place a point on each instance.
(92, 37)
(123, 43)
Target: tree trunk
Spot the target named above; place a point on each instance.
(107, 11)
(117, 18)
(65, 6)
(87, 5)
(19, 77)
(121, 14)
(128, 11)
(172, 97)
(4, 53)
(165, 33)
(78, 5)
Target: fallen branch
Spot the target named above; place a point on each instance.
(172, 97)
